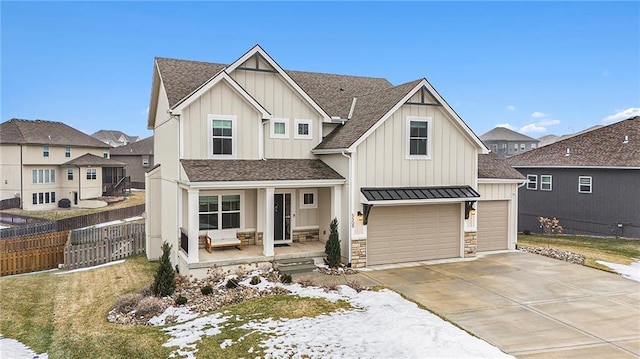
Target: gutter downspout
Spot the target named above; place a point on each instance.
(515, 220)
(349, 189)
(21, 180)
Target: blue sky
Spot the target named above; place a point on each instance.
(540, 67)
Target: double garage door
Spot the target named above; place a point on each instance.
(413, 233)
(493, 225)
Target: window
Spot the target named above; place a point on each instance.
(504, 146)
(523, 146)
(418, 137)
(494, 147)
(279, 128)
(303, 129)
(43, 176)
(308, 198)
(223, 136)
(545, 182)
(584, 184)
(145, 162)
(43, 197)
(67, 151)
(105, 153)
(533, 146)
(515, 147)
(45, 151)
(91, 173)
(219, 212)
(532, 182)
(70, 174)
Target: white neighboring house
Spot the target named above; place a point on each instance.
(272, 155)
(43, 162)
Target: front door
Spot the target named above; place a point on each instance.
(75, 198)
(282, 218)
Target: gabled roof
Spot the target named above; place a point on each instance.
(142, 147)
(182, 77)
(40, 132)
(490, 166)
(113, 136)
(92, 160)
(602, 147)
(257, 170)
(505, 134)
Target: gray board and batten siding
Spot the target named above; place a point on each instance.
(611, 209)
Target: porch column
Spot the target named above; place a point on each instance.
(336, 203)
(193, 225)
(267, 235)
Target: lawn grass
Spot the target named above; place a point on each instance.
(623, 251)
(134, 199)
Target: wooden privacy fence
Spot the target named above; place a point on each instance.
(34, 253)
(72, 223)
(28, 230)
(92, 246)
(10, 203)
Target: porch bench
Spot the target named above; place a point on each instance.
(222, 238)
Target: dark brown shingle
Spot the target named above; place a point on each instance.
(492, 166)
(92, 160)
(142, 147)
(40, 132)
(257, 170)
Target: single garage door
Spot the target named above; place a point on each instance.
(493, 225)
(413, 233)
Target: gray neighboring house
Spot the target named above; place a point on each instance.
(115, 138)
(590, 182)
(505, 142)
(139, 159)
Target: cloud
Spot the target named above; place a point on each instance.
(511, 108)
(539, 114)
(533, 127)
(506, 125)
(548, 122)
(622, 115)
(145, 111)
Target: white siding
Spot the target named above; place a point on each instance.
(10, 173)
(497, 191)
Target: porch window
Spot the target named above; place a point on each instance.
(223, 136)
(231, 211)
(280, 128)
(219, 212)
(308, 198)
(208, 212)
(418, 137)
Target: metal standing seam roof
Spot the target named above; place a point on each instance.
(418, 193)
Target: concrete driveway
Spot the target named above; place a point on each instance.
(528, 305)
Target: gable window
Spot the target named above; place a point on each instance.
(532, 182)
(523, 146)
(584, 184)
(418, 137)
(545, 182)
(145, 162)
(67, 151)
(308, 198)
(43, 176)
(303, 129)
(105, 153)
(70, 174)
(223, 136)
(219, 212)
(279, 128)
(91, 173)
(45, 151)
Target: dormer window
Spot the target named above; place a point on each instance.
(418, 129)
(223, 136)
(280, 128)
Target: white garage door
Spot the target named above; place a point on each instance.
(413, 233)
(493, 225)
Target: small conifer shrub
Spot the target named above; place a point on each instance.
(255, 280)
(164, 282)
(332, 247)
(181, 300)
(206, 290)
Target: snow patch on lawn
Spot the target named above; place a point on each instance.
(90, 268)
(11, 348)
(629, 271)
(182, 315)
(382, 325)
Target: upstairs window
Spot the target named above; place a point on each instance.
(67, 151)
(303, 129)
(105, 153)
(91, 173)
(145, 162)
(532, 182)
(515, 147)
(545, 182)
(418, 137)
(584, 184)
(43, 176)
(45, 151)
(279, 128)
(533, 146)
(523, 146)
(223, 136)
(70, 174)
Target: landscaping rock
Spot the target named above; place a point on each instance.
(555, 253)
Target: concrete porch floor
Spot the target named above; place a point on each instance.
(253, 254)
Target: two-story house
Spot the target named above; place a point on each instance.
(275, 155)
(505, 142)
(115, 138)
(43, 162)
(139, 158)
(590, 182)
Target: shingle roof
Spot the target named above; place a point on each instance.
(113, 136)
(505, 134)
(492, 166)
(42, 132)
(142, 147)
(602, 147)
(257, 170)
(368, 110)
(92, 160)
(181, 77)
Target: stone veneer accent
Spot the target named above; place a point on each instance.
(306, 235)
(470, 244)
(358, 253)
(247, 238)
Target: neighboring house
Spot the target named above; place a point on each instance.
(139, 159)
(115, 138)
(590, 182)
(549, 139)
(505, 142)
(43, 162)
(271, 156)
